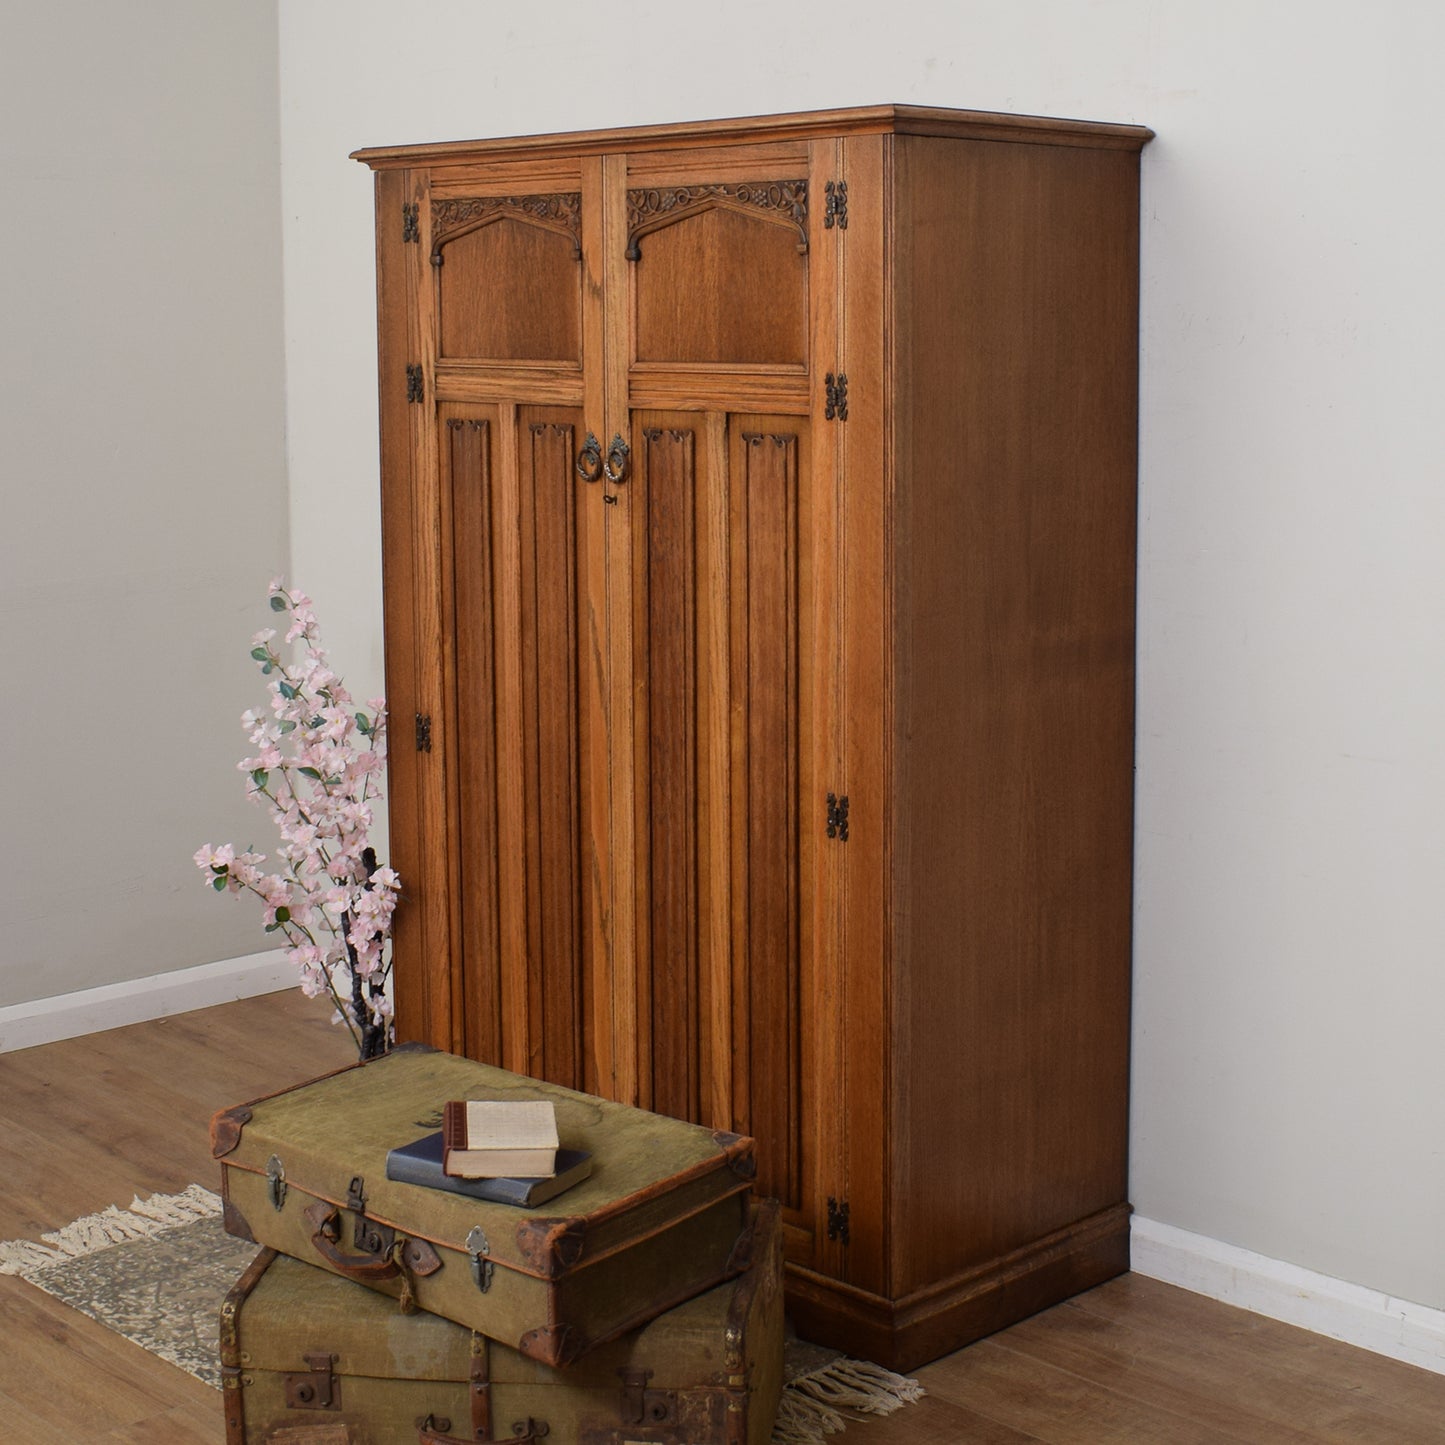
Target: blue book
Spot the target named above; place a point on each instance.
(421, 1163)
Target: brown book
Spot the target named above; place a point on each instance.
(499, 1139)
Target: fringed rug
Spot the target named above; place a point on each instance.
(155, 1273)
(824, 1389)
(158, 1272)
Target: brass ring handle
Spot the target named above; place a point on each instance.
(618, 460)
(589, 459)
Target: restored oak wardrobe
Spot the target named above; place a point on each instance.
(758, 524)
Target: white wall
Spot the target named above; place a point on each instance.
(142, 474)
(1289, 1075)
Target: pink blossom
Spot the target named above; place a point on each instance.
(222, 857)
(246, 869)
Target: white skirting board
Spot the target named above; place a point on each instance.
(68, 1015)
(1374, 1321)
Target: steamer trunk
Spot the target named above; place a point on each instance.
(311, 1359)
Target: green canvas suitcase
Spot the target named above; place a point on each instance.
(311, 1359)
(662, 1217)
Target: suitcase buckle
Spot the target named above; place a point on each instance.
(369, 1237)
(477, 1247)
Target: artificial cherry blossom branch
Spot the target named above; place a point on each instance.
(315, 769)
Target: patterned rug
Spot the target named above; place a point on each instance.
(158, 1272)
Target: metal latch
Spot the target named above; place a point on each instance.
(318, 1388)
(641, 1406)
(368, 1237)
(478, 1248)
(275, 1182)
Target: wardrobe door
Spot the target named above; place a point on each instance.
(722, 597)
(504, 319)
(531, 775)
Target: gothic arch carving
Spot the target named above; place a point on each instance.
(784, 203)
(452, 218)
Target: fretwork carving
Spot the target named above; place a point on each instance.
(785, 202)
(561, 212)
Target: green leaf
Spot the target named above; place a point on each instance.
(260, 654)
(286, 690)
(272, 927)
(283, 915)
(259, 776)
(310, 773)
(287, 727)
(266, 670)
(363, 724)
(279, 603)
(219, 884)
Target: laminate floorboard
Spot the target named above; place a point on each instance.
(91, 1122)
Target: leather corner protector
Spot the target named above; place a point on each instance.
(742, 1252)
(234, 1222)
(550, 1247)
(738, 1151)
(553, 1344)
(226, 1129)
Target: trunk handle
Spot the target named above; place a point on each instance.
(524, 1432)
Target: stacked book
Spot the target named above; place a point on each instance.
(502, 1150)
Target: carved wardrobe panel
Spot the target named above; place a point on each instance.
(722, 273)
(509, 281)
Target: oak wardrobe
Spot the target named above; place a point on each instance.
(758, 505)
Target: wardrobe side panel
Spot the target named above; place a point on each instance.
(1015, 355)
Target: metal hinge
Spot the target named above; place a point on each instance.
(415, 386)
(835, 207)
(835, 393)
(838, 817)
(423, 732)
(838, 1219)
(410, 222)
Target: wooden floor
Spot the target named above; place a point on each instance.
(91, 1122)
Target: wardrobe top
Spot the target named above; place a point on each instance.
(801, 125)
